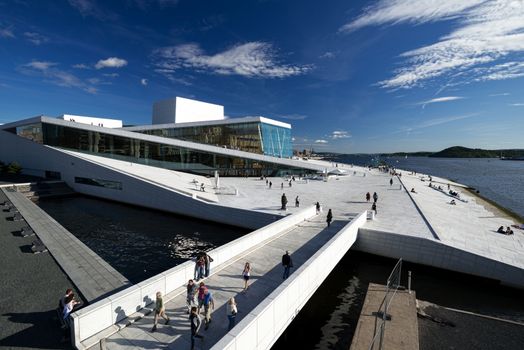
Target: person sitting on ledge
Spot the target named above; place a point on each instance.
(501, 230)
(509, 231)
(453, 202)
(413, 190)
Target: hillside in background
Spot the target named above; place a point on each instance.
(464, 152)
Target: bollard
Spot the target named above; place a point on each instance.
(409, 282)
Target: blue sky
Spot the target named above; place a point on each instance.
(350, 76)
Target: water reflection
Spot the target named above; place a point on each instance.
(137, 242)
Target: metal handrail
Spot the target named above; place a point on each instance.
(381, 316)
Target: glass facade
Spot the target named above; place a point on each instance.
(276, 141)
(154, 154)
(114, 185)
(253, 137)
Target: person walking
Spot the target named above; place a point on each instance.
(231, 311)
(375, 197)
(391, 182)
(201, 290)
(246, 274)
(209, 306)
(196, 322)
(160, 310)
(282, 186)
(329, 217)
(270, 184)
(317, 206)
(297, 202)
(287, 263)
(368, 197)
(374, 207)
(191, 296)
(284, 201)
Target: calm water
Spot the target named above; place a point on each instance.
(137, 242)
(501, 181)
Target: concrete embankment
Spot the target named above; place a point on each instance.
(401, 329)
(93, 276)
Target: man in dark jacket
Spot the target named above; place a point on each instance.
(287, 263)
(284, 201)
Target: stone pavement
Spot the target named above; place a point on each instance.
(400, 333)
(469, 226)
(93, 276)
(345, 195)
(303, 241)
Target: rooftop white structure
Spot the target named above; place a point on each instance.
(184, 110)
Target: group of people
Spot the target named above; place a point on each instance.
(375, 199)
(202, 266)
(508, 230)
(198, 297)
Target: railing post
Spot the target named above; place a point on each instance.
(409, 282)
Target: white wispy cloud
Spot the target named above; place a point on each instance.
(508, 70)
(517, 104)
(500, 94)
(340, 134)
(435, 121)
(7, 33)
(293, 116)
(81, 66)
(41, 65)
(91, 8)
(110, 75)
(321, 141)
(486, 33)
(143, 82)
(35, 38)
(414, 11)
(253, 59)
(327, 54)
(439, 100)
(111, 62)
(56, 76)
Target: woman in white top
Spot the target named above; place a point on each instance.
(246, 274)
(231, 309)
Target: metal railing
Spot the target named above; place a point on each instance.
(381, 316)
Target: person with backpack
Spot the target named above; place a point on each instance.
(201, 290)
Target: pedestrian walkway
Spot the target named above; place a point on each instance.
(302, 241)
(92, 276)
